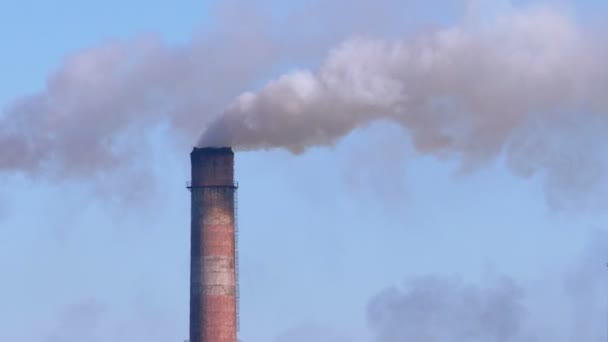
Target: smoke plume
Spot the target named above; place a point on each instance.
(97, 108)
(445, 309)
(464, 90)
(529, 84)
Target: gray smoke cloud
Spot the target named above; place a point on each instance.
(526, 83)
(530, 83)
(464, 89)
(445, 309)
(96, 109)
(563, 304)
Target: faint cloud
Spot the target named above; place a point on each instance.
(80, 321)
(376, 163)
(312, 332)
(443, 309)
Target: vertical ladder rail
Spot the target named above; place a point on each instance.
(236, 263)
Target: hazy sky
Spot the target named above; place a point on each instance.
(365, 241)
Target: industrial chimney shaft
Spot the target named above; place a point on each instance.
(213, 278)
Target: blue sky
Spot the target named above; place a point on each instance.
(320, 233)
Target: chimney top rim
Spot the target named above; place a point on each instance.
(211, 150)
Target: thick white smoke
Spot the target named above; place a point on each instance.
(529, 83)
(515, 84)
(96, 109)
(465, 89)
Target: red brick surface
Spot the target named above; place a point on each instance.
(212, 317)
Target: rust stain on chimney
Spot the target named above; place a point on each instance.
(213, 283)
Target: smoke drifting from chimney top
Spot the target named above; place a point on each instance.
(530, 83)
(463, 90)
(469, 92)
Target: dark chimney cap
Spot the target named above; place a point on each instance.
(212, 166)
(211, 150)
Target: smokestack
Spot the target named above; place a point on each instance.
(213, 290)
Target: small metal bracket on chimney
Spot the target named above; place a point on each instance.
(189, 186)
